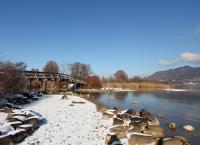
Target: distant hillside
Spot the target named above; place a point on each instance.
(177, 74)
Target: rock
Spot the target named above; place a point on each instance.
(119, 130)
(35, 98)
(127, 117)
(18, 135)
(108, 114)
(27, 127)
(181, 138)
(189, 128)
(153, 121)
(78, 102)
(9, 105)
(33, 121)
(7, 110)
(120, 116)
(117, 121)
(11, 116)
(135, 129)
(155, 128)
(3, 102)
(135, 102)
(18, 118)
(64, 97)
(156, 134)
(172, 141)
(5, 140)
(138, 121)
(110, 139)
(131, 112)
(28, 113)
(15, 124)
(172, 125)
(145, 114)
(6, 128)
(117, 143)
(141, 139)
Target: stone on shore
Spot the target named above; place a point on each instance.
(5, 140)
(172, 125)
(189, 128)
(18, 135)
(172, 141)
(141, 139)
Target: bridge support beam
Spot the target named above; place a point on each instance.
(30, 85)
(45, 86)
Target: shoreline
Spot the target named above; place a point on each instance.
(76, 124)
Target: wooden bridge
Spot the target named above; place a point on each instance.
(44, 77)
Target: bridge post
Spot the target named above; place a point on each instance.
(45, 85)
(60, 86)
(55, 86)
(42, 86)
(30, 85)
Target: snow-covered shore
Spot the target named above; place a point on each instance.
(80, 124)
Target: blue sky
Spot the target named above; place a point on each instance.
(139, 36)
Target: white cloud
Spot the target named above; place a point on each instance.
(168, 63)
(190, 57)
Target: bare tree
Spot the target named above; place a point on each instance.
(51, 66)
(137, 79)
(94, 82)
(80, 69)
(11, 77)
(121, 76)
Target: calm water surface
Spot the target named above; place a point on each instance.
(180, 107)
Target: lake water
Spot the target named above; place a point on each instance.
(181, 107)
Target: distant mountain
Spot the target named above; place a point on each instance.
(177, 75)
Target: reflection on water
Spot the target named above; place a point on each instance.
(180, 107)
(120, 96)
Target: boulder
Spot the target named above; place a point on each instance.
(137, 121)
(156, 134)
(108, 114)
(181, 138)
(155, 128)
(153, 121)
(127, 117)
(34, 121)
(172, 141)
(15, 124)
(6, 128)
(172, 125)
(27, 127)
(18, 118)
(18, 135)
(136, 129)
(189, 128)
(119, 131)
(7, 110)
(113, 111)
(110, 139)
(5, 140)
(141, 139)
(3, 102)
(117, 128)
(145, 114)
(117, 121)
(131, 112)
(10, 116)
